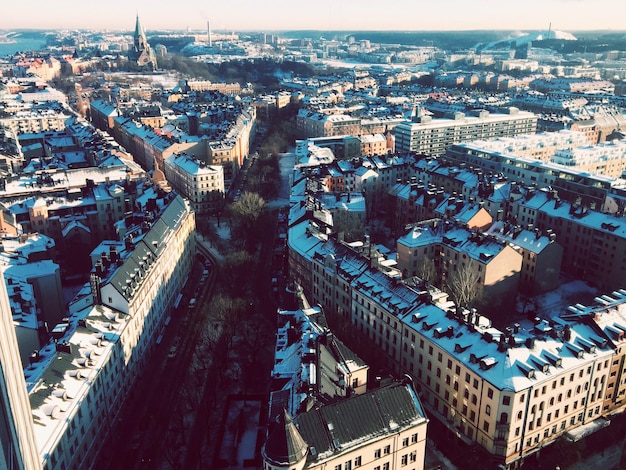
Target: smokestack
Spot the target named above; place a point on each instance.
(208, 27)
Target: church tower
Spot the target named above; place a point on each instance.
(142, 53)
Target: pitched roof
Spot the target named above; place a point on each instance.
(285, 445)
(351, 422)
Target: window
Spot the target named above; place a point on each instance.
(488, 410)
(405, 442)
(377, 454)
(357, 461)
(414, 438)
(405, 460)
(486, 426)
(387, 450)
(506, 400)
(490, 393)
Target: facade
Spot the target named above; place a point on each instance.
(311, 124)
(434, 136)
(594, 244)
(541, 146)
(35, 120)
(510, 391)
(381, 429)
(202, 184)
(542, 256)
(78, 383)
(607, 158)
(462, 256)
(373, 144)
(17, 438)
(570, 181)
(323, 414)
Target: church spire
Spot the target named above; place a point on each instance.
(142, 53)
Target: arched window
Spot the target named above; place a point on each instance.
(504, 418)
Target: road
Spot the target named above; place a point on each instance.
(142, 430)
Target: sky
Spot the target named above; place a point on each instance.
(276, 15)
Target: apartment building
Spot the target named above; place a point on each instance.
(510, 391)
(594, 244)
(202, 184)
(606, 158)
(18, 449)
(40, 118)
(468, 214)
(344, 146)
(311, 364)
(433, 136)
(461, 256)
(382, 429)
(316, 377)
(77, 223)
(570, 182)
(314, 124)
(541, 146)
(78, 383)
(541, 254)
(374, 144)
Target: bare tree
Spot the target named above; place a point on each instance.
(463, 285)
(427, 270)
(236, 272)
(244, 215)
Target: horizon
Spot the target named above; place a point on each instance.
(285, 15)
(313, 30)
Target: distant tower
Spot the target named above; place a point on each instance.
(18, 449)
(208, 27)
(142, 53)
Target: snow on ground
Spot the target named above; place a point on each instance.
(556, 302)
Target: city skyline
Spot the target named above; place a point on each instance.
(277, 15)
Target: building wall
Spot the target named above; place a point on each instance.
(125, 341)
(433, 137)
(388, 452)
(17, 440)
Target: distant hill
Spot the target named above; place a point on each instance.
(527, 39)
(449, 40)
